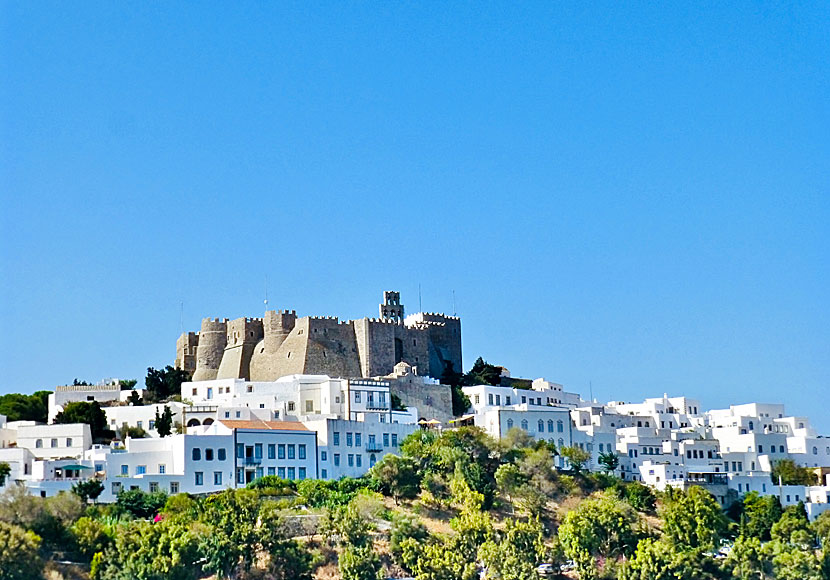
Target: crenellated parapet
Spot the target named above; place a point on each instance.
(280, 343)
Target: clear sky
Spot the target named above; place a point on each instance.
(625, 195)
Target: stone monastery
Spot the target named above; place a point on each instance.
(281, 344)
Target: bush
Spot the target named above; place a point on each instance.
(140, 504)
(274, 483)
(18, 553)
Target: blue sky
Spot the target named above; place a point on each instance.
(625, 195)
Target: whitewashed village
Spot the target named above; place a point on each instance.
(226, 430)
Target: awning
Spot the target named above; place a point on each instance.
(430, 422)
(74, 467)
(463, 418)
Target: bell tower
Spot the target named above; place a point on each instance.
(392, 309)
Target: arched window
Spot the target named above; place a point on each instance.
(561, 443)
(541, 426)
(560, 427)
(510, 423)
(781, 448)
(815, 450)
(39, 443)
(524, 424)
(600, 447)
(372, 460)
(550, 425)
(193, 423)
(751, 426)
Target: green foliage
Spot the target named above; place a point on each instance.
(84, 412)
(131, 432)
(127, 384)
(135, 399)
(165, 550)
(821, 527)
(436, 560)
(275, 483)
(164, 422)
(91, 536)
(19, 558)
(165, 383)
(793, 563)
(693, 519)
(140, 504)
(790, 473)
(396, 476)
(760, 512)
(88, 489)
(641, 497)
(577, 458)
(5, 471)
(793, 528)
(482, 373)
(405, 526)
(610, 461)
(598, 527)
(17, 407)
(31, 513)
(514, 553)
(397, 404)
(346, 526)
(359, 563)
(659, 560)
(323, 493)
(747, 560)
(460, 401)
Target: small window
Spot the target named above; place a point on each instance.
(220, 454)
(208, 454)
(54, 442)
(199, 478)
(162, 469)
(290, 405)
(217, 478)
(69, 441)
(197, 454)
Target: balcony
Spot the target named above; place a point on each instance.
(379, 406)
(372, 447)
(253, 460)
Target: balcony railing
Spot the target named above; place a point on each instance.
(253, 460)
(372, 447)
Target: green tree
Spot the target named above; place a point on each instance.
(91, 536)
(396, 476)
(140, 504)
(640, 496)
(5, 471)
(610, 461)
(693, 519)
(165, 550)
(747, 560)
(19, 558)
(164, 422)
(405, 526)
(135, 399)
(760, 513)
(788, 472)
(165, 383)
(515, 552)
(821, 527)
(88, 489)
(599, 527)
(794, 528)
(85, 412)
(17, 407)
(793, 563)
(482, 373)
(577, 458)
(359, 563)
(659, 560)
